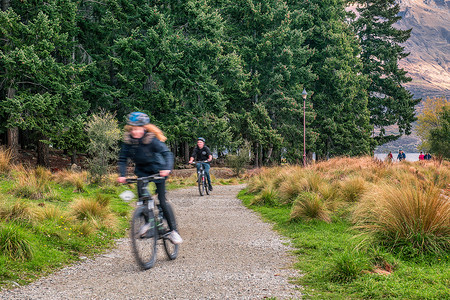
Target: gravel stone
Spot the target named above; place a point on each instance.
(228, 253)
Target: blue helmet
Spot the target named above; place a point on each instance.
(138, 119)
(201, 139)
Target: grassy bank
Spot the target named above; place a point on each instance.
(362, 229)
(50, 220)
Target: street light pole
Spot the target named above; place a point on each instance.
(304, 94)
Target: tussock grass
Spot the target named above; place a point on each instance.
(18, 211)
(352, 188)
(14, 244)
(399, 202)
(347, 266)
(94, 211)
(268, 196)
(78, 180)
(5, 161)
(413, 218)
(51, 212)
(308, 206)
(32, 184)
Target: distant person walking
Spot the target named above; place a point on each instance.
(401, 155)
(390, 157)
(427, 156)
(421, 156)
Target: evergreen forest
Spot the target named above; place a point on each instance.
(231, 71)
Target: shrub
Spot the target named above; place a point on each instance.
(239, 161)
(309, 206)
(14, 244)
(103, 133)
(413, 219)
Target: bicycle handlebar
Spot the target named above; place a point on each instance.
(149, 178)
(201, 161)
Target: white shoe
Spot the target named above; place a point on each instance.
(175, 238)
(144, 229)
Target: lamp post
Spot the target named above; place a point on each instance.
(304, 94)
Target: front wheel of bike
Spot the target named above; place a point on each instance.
(143, 244)
(201, 186)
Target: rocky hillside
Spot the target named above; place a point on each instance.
(429, 45)
(429, 61)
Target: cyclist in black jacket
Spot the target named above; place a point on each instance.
(142, 144)
(202, 153)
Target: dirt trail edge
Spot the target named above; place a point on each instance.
(228, 253)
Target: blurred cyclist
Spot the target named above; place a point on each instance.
(143, 143)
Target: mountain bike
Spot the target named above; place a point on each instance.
(201, 178)
(148, 225)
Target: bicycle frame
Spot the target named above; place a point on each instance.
(201, 178)
(158, 230)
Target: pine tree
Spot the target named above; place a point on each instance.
(389, 102)
(339, 93)
(36, 59)
(263, 35)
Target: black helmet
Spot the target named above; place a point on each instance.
(201, 139)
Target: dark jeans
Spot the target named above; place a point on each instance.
(165, 206)
(206, 166)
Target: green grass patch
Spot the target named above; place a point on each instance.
(39, 235)
(337, 264)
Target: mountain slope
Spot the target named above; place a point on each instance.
(429, 45)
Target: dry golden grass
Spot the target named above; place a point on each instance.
(5, 161)
(94, 212)
(413, 213)
(31, 184)
(78, 180)
(20, 211)
(51, 212)
(352, 188)
(268, 196)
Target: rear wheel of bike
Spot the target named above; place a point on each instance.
(205, 185)
(171, 248)
(201, 186)
(143, 245)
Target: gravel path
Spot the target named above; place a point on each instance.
(228, 253)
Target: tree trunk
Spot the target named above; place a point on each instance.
(269, 154)
(260, 156)
(256, 149)
(13, 141)
(5, 4)
(43, 153)
(73, 157)
(13, 133)
(186, 152)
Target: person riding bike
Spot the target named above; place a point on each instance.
(202, 153)
(143, 143)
